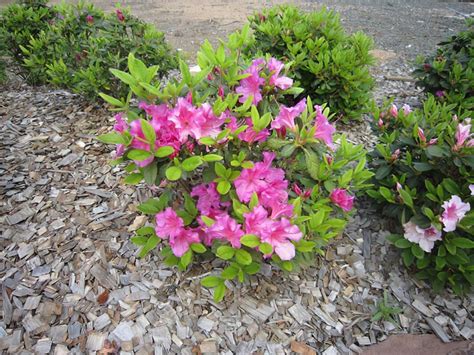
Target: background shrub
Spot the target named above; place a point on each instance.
(423, 163)
(449, 74)
(331, 66)
(76, 47)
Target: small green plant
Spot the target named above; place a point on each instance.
(423, 165)
(385, 311)
(331, 66)
(76, 48)
(449, 74)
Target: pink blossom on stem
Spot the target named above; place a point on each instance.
(324, 130)
(341, 198)
(121, 125)
(287, 115)
(406, 109)
(393, 111)
(120, 15)
(463, 133)
(279, 235)
(180, 242)
(251, 136)
(425, 238)
(250, 86)
(421, 135)
(168, 224)
(226, 228)
(454, 211)
(275, 68)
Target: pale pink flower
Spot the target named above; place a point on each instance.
(226, 228)
(470, 143)
(208, 123)
(251, 136)
(341, 198)
(250, 86)
(471, 187)
(287, 115)
(432, 141)
(393, 111)
(168, 224)
(454, 211)
(324, 130)
(180, 242)
(275, 68)
(425, 238)
(279, 235)
(399, 186)
(463, 133)
(406, 109)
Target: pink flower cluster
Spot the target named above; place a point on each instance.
(173, 126)
(252, 85)
(341, 198)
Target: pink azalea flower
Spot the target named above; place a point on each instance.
(421, 135)
(279, 235)
(324, 130)
(209, 203)
(256, 220)
(454, 211)
(120, 15)
(281, 209)
(119, 150)
(121, 125)
(440, 93)
(180, 242)
(275, 68)
(463, 133)
(209, 125)
(158, 113)
(226, 228)
(287, 115)
(406, 109)
(168, 224)
(341, 198)
(250, 86)
(471, 187)
(251, 136)
(470, 143)
(393, 111)
(138, 142)
(184, 117)
(425, 238)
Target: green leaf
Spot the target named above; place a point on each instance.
(133, 179)
(417, 251)
(164, 151)
(219, 292)
(250, 240)
(220, 170)
(422, 167)
(111, 100)
(265, 248)
(123, 76)
(225, 252)
(382, 172)
(223, 187)
(252, 269)
(287, 265)
(230, 272)
(173, 173)
(463, 243)
(112, 138)
(191, 163)
(150, 172)
(406, 197)
(148, 132)
(186, 258)
(139, 240)
(139, 155)
(150, 245)
(212, 158)
(243, 257)
(207, 221)
(402, 243)
(408, 257)
(211, 281)
(147, 230)
(198, 248)
(435, 151)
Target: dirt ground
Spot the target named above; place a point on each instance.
(408, 27)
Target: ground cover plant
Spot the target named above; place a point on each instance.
(239, 176)
(423, 167)
(449, 73)
(74, 46)
(331, 66)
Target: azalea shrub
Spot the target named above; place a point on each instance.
(77, 46)
(331, 66)
(237, 175)
(423, 167)
(449, 73)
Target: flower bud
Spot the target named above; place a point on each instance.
(220, 92)
(421, 135)
(393, 111)
(380, 123)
